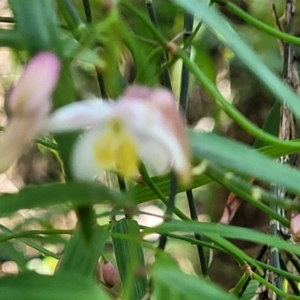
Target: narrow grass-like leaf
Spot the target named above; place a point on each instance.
(143, 193)
(30, 243)
(130, 259)
(80, 256)
(271, 124)
(245, 160)
(37, 287)
(53, 194)
(232, 232)
(169, 279)
(210, 17)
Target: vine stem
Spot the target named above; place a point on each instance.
(258, 24)
(230, 110)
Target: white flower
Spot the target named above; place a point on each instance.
(29, 104)
(143, 124)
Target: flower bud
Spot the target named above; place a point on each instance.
(295, 228)
(107, 273)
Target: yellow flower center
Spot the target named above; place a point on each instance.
(116, 149)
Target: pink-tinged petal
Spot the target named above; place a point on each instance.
(33, 90)
(18, 134)
(77, 115)
(153, 115)
(295, 228)
(29, 103)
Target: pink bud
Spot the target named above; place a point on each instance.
(32, 92)
(28, 103)
(110, 274)
(295, 228)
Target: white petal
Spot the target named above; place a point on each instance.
(78, 115)
(157, 145)
(159, 149)
(84, 166)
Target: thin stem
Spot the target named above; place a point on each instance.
(259, 256)
(7, 20)
(277, 271)
(194, 241)
(185, 73)
(100, 78)
(10, 38)
(229, 109)
(211, 88)
(169, 210)
(47, 143)
(72, 12)
(30, 243)
(271, 287)
(258, 24)
(294, 261)
(165, 75)
(246, 191)
(291, 282)
(156, 33)
(244, 280)
(71, 17)
(183, 103)
(33, 233)
(87, 11)
(147, 179)
(275, 261)
(194, 216)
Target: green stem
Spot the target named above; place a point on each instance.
(145, 20)
(10, 38)
(246, 191)
(194, 241)
(211, 88)
(33, 233)
(147, 179)
(30, 243)
(47, 143)
(258, 24)
(271, 287)
(230, 110)
(240, 284)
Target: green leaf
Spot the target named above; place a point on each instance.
(232, 232)
(37, 287)
(245, 160)
(88, 252)
(250, 290)
(275, 151)
(170, 280)
(142, 193)
(130, 258)
(223, 30)
(53, 194)
(36, 24)
(271, 125)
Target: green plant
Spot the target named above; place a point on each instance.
(122, 30)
